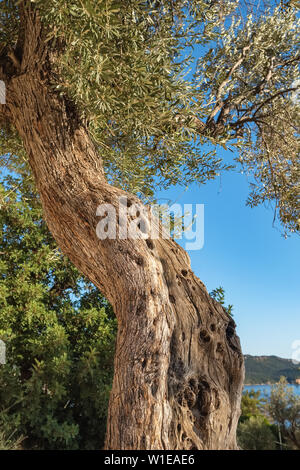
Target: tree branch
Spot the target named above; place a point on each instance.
(225, 81)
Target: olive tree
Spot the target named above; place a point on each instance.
(107, 102)
(284, 409)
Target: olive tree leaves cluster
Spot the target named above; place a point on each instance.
(163, 84)
(253, 88)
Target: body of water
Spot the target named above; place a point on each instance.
(265, 390)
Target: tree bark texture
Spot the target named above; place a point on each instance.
(178, 365)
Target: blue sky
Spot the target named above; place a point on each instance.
(250, 259)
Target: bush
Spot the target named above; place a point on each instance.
(284, 409)
(254, 430)
(10, 439)
(256, 434)
(59, 334)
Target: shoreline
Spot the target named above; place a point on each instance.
(268, 384)
(259, 385)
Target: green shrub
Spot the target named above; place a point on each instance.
(256, 433)
(284, 409)
(59, 334)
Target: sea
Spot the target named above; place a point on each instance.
(265, 390)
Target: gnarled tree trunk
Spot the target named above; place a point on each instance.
(178, 365)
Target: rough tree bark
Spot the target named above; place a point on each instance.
(178, 364)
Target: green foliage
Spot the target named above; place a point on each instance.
(284, 409)
(254, 431)
(272, 422)
(123, 64)
(219, 295)
(251, 405)
(256, 434)
(269, 369)
(59, 334)
(9, 23)
(10, 439)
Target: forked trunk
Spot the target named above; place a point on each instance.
(178, 364)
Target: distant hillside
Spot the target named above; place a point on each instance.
(265, 369)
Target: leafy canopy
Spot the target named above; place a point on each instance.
(161, 84)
